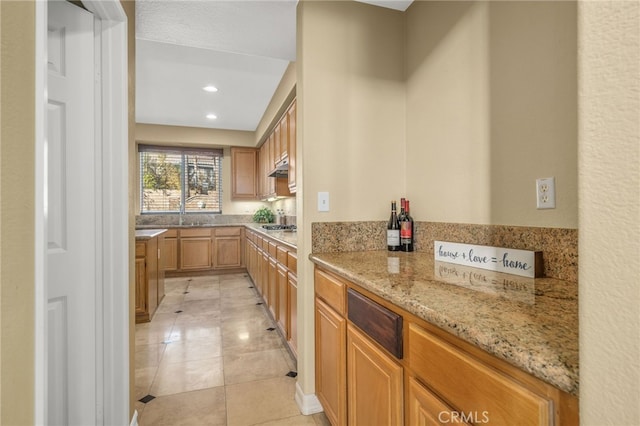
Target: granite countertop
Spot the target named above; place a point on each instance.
(147, 234)
(530, 323)
(287, 237)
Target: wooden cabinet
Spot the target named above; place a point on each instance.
(292, 337)
(472, 386)
(278, 145)
(170, 252)
(227, 250)
(282, 302)
(291, 146)
(195, 249)
(448, 381)
(374, 383)
(244, 173)
(426, 409)
(272, 268)
(331, 362)
(149, 274)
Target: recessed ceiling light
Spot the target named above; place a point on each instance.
(210, 88)
(212, 116)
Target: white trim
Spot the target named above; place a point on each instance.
(134, 418)
(307, 403)
(113, 238)
(40, 255)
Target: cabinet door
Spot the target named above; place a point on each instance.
(374, 383)
(264, 274)
(426, 409)
(291, 147)
(195, 253)
(331, 368)
(244, 168)
(170, 254)
(152, 276)
(282, 304)
(273, 286)
(284, 136)
(293, 312)
(471, 385)
(227, 253)
(141, 287)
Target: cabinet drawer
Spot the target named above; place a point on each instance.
(227, 231)
(292, 262)
(378, 322)
(330, 289)
(141, 249)
(171, 233)
(472, 386)
(195, 232)
(282, 255)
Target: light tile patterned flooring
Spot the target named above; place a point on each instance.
(214, 363)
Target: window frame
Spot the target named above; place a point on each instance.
(184, 153)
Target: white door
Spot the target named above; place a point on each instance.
(71, 274)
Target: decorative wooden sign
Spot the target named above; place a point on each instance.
(524, 263)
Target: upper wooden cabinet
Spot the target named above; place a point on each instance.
(244, 173)
(291, 145)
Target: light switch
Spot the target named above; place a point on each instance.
(323, 201)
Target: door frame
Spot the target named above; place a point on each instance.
(112, 239)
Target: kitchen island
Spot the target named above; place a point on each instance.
(149, 272)
(498, 321)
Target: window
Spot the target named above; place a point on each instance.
(180, 180)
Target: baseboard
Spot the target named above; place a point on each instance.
(134, 419)
(307, 403)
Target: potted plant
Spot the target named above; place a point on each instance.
(263, 215)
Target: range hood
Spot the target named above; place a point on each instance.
(282, 169)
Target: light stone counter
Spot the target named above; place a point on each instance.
(287, 237)
(531, 324)
(147, 234)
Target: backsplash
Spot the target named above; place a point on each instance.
(559, 245)
(191, 219)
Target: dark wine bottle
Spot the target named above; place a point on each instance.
(393, 230)
(406, 229)
(402, 204)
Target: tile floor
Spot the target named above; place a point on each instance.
(208, 359)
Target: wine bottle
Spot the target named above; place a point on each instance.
(393, 230)
(406, 229)
(402, 204)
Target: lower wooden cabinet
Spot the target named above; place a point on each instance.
(426, 409)
(171, 251)
(360, 382)
(374, 383)
(227, 248)
(149, 274)
(292, 336)
(331, 362)
(272, 267)
(282, 303)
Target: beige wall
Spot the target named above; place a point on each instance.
(199, 137)
(17, 206)
(491, 106)
(351, 121)
(609, 158)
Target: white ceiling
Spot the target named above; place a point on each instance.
(242, 47)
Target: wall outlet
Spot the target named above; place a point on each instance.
(546, 193)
